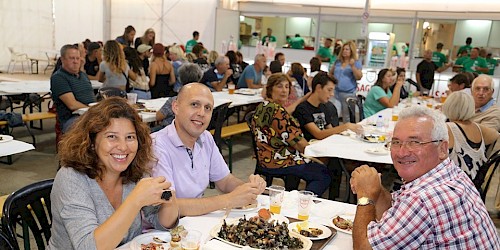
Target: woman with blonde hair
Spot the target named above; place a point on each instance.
(176, 56)
(161, 74)
(347, 70)
(114, 70)
(103, 187)
(148, 38)
(212, 56)
(468, 140)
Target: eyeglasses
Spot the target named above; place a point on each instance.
(411, 145)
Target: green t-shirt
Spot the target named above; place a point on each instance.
(269, 38)
(297, 42)
(492, 63)
(439, 58)
(372, 104)
(461, 60)
(190, 44)
(469, 64)
(465, 47)
(324, 52)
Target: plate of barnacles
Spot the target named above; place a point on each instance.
(258, 233)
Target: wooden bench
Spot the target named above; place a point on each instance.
(31, 117)
(227, 132)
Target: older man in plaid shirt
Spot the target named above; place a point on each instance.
(438, 207)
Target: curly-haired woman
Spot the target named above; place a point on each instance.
(101, 188)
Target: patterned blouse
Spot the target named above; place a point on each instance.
(275, 132)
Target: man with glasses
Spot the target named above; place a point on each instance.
(437, 207)
(487, 113)
(188, 157)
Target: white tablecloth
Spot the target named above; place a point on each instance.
(23, 87)
(321, 213)
(219, 99)
(14, 147)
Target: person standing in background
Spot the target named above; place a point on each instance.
(92, 60)
(269, 38)
(492, 64)
(148, 38)
(191, 43)
(467, 47)
(475, 63)
(128, 37)
(297, 42)
(438, 57)
(347, 70)
(425, 72)
(324, 53)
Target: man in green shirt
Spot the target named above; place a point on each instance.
(324, 54)
(467, 47)
(438, 57)
(475, 63)
(297, 42)
(191, 43)
(492, 64)
(269, 38)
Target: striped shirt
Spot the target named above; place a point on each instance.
(440, 210)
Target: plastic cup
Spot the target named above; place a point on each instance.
(231, 88)
(191, 241)
(132, 98)
(305, 204)
(276, 194)
(395, 115)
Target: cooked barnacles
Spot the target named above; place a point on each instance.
(258, 233)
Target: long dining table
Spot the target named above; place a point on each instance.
(240, 98)
(28, 87)
(322, 213)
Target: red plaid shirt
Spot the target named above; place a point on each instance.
(440, 210)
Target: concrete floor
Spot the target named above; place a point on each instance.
(42, 163)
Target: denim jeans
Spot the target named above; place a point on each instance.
(316, 175)
(142, 94)
(341, 97)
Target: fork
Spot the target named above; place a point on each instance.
(228, 210)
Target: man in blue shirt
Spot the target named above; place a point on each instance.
(217, 77)
(251, 76)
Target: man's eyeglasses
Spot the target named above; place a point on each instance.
(412, 144)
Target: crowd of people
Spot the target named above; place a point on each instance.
(112, 166)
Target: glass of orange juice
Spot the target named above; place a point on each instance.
(276, 194)
(305, 204)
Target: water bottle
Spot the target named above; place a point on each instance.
(380, 122)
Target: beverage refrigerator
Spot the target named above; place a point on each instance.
(378, 53)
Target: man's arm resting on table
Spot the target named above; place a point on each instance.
(364, 215)
(252, 85)
(228, 183)
(69, 100)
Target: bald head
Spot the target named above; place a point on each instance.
(195, 88)
(428, 54)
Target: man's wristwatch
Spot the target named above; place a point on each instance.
(363, 201)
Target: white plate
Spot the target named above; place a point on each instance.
(244, 210)
(276, 217)
(148, 238)
(345, 216)
(326, 231)
(373, 138)
(307, 243)
(377, 151)
(6, 138)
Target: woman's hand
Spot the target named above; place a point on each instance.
(148, 191)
